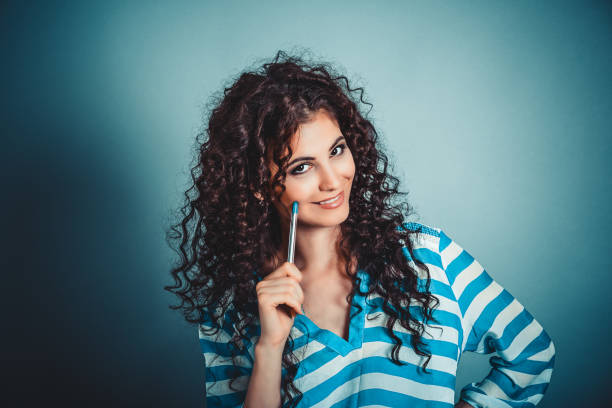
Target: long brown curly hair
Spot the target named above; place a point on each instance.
(226, 234)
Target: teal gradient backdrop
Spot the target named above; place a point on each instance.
(496, 115)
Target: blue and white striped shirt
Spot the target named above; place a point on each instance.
(475, 314)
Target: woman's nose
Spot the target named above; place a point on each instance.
(330, 178)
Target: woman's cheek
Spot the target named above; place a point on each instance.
(301, 190)
(350, 166)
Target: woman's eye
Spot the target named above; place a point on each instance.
(296, 171)
(343, 146)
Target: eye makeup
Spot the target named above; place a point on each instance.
(342, 146)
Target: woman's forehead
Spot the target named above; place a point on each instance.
(320, 129)
(310, 137)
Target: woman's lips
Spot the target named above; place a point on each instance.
(327, 199)
(336, 203)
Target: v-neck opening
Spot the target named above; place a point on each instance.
(356, 324)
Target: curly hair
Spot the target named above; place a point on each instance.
(226, 234)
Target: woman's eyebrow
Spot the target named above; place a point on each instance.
(312, 158)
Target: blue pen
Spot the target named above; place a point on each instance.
(294, 213)
(292, 227)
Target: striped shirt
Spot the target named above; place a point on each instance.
(475, 314)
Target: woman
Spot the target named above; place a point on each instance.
(375, 310)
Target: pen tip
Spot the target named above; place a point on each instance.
(294, 209)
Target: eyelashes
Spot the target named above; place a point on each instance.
(297, 173)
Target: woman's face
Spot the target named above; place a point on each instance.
(321, 167)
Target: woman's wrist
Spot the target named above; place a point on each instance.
(266, 349)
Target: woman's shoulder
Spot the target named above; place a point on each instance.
(420, 227)
(427, 246)
(423, 235)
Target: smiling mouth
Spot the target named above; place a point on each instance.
(331, 200)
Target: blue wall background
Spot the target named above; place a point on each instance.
(496, 115)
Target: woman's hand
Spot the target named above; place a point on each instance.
(279, 297)
(463, 404)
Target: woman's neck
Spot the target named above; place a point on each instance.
(316, 253)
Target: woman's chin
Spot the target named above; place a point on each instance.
(325, 217)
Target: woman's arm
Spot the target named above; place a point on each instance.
(463, 404)
(265, 383)
(494, 321)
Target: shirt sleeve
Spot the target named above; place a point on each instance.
(220, 368)
(494, 321)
